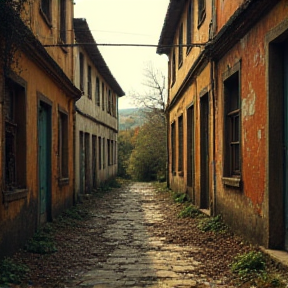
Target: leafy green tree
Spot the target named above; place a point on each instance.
(148, 158)
(125, 147)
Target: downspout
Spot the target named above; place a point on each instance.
(213, 91)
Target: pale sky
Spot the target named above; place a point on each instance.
(127, 22)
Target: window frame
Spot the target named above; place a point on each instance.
(190, 27)
(232, 162)
(103, 96)
(63, 21)
(201, 12)
(173, 68)
(180, 144)
(46, 11)
(63, 146)
(17, 86)
(173, 148)
(97, 91)
(180, 47)
(89, 81)
(81, 71)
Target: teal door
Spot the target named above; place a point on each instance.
(286, 143)
(44, 150)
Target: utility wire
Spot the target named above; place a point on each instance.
(127, 45)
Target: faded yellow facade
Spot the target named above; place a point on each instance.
(229, 152)
(37, 112)
(189, 82)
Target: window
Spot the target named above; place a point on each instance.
(112, 152)
(97, 92)
(94, 160)
(173, 147)
(100, 152)
(232, 126)
(201, 11)
(190, 26)
(103, 96)
(109, 102)
(109, 152)
(180, 143)
(15, 136)
(63, 145)
(45, 8)
(62, 21)
(180, 48)
(104, 154)
(173, 68)
(89, 83)
(81, 64)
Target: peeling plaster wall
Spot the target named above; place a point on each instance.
(225, 9)
(19, 219)
(244, 208)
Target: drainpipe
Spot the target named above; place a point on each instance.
(167, 148)
(213, 90)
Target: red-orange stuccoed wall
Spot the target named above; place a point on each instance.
(244, 208)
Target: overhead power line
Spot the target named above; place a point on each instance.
(127, 45)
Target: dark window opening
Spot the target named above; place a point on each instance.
(81, 64)
(100, 153)
(94, 161)
(173, 146)
(201, 11)
(232, 125)
(180, 143)
(180, 48)
(45, 8)
(89, 82)
(103, 96)
(63, 145)
(63, 26)
(173, 69)
(190, 26)
(15, 136)
(97, 92)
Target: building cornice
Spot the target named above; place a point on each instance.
(239, 24)
(93, 119)
(33, 48)
(231, 33)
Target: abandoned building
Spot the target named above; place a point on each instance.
(40, 118)
(227, 111)
(96, 114)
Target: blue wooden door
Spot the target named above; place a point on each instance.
(286, 143)
(44, 150)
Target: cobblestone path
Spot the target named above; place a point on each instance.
(136, 257)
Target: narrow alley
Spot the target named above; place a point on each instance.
(132, 239)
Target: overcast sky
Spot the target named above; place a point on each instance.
(128, 22)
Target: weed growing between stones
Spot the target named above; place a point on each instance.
(180, 197)
(214, 224)
(12, 272)
(41, 243)
(251, 268)
(190, 211)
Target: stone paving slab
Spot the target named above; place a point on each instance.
(137, 258)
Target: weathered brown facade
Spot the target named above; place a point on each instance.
(232, 93)
(37, 110)
(96, 128)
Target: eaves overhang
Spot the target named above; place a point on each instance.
(171, 21)
(34, 49)
(244, 18)
(83, 35)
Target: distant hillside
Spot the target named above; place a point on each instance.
(131, 118)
